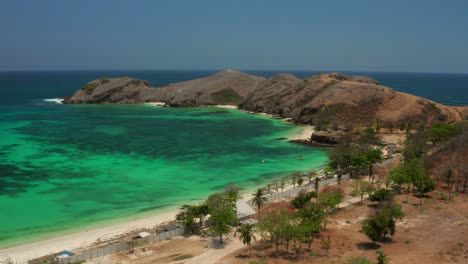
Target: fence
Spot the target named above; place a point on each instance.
(97, 252)
(310, 187)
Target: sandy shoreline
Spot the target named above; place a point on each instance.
(84, 239)
(305, 134)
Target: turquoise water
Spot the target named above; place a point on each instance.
(70, 167)
(66, 167)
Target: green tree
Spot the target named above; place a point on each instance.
(414, 146)
(259, 199)
(382, 258)
(187, 217)
(382, 222)
(399, 176)
(312, 217)
(274, 225)
(330, 198)
(382, 195)
(222, 208)
(450, 180)
(232, 192)
(443, 131)
(302, 199)
(422, 182)
(361, 188)
(247, 236)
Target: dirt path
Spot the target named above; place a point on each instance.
(217, 252)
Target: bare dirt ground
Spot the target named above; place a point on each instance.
(178, 250)
(437, 232)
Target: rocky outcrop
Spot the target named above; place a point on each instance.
(325, 137)
(110, 90)
(226, 87)
(332, 100)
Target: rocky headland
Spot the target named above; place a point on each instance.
(329, 101)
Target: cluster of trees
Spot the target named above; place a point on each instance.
(298, 226)
(222, 210)
(382, 221)
(412, 174)
(358, 157)
(448, 160)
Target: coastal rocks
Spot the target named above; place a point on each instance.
(325, 137)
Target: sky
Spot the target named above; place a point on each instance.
(397, 35)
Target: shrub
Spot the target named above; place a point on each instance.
(89, 88)
(381, 195)
(302, 199)
(257, 262)
(358, 260)
(135, 82)
(226, 96)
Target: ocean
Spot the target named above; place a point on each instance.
(70, 167)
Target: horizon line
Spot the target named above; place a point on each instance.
(220, 69)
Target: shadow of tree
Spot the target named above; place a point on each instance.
(368, 246)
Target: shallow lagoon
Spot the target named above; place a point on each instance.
(70, 167)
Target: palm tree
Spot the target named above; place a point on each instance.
(247, 235)
(258, 199)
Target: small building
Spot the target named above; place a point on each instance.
(244, 210)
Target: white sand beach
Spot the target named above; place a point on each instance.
(227, 106)
(84, 239)
(305, 134)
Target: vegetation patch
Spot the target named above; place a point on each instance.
(136, 82)
(182, 257)
(104, 81)
(257, 262)
(90, 87)
(227, 96)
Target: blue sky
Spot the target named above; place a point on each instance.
(415, 36)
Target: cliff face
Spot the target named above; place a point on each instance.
(332, 100)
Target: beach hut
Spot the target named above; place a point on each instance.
(143, 234)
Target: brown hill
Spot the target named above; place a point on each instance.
(226, 87)
(339, 100)
(333, 100)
